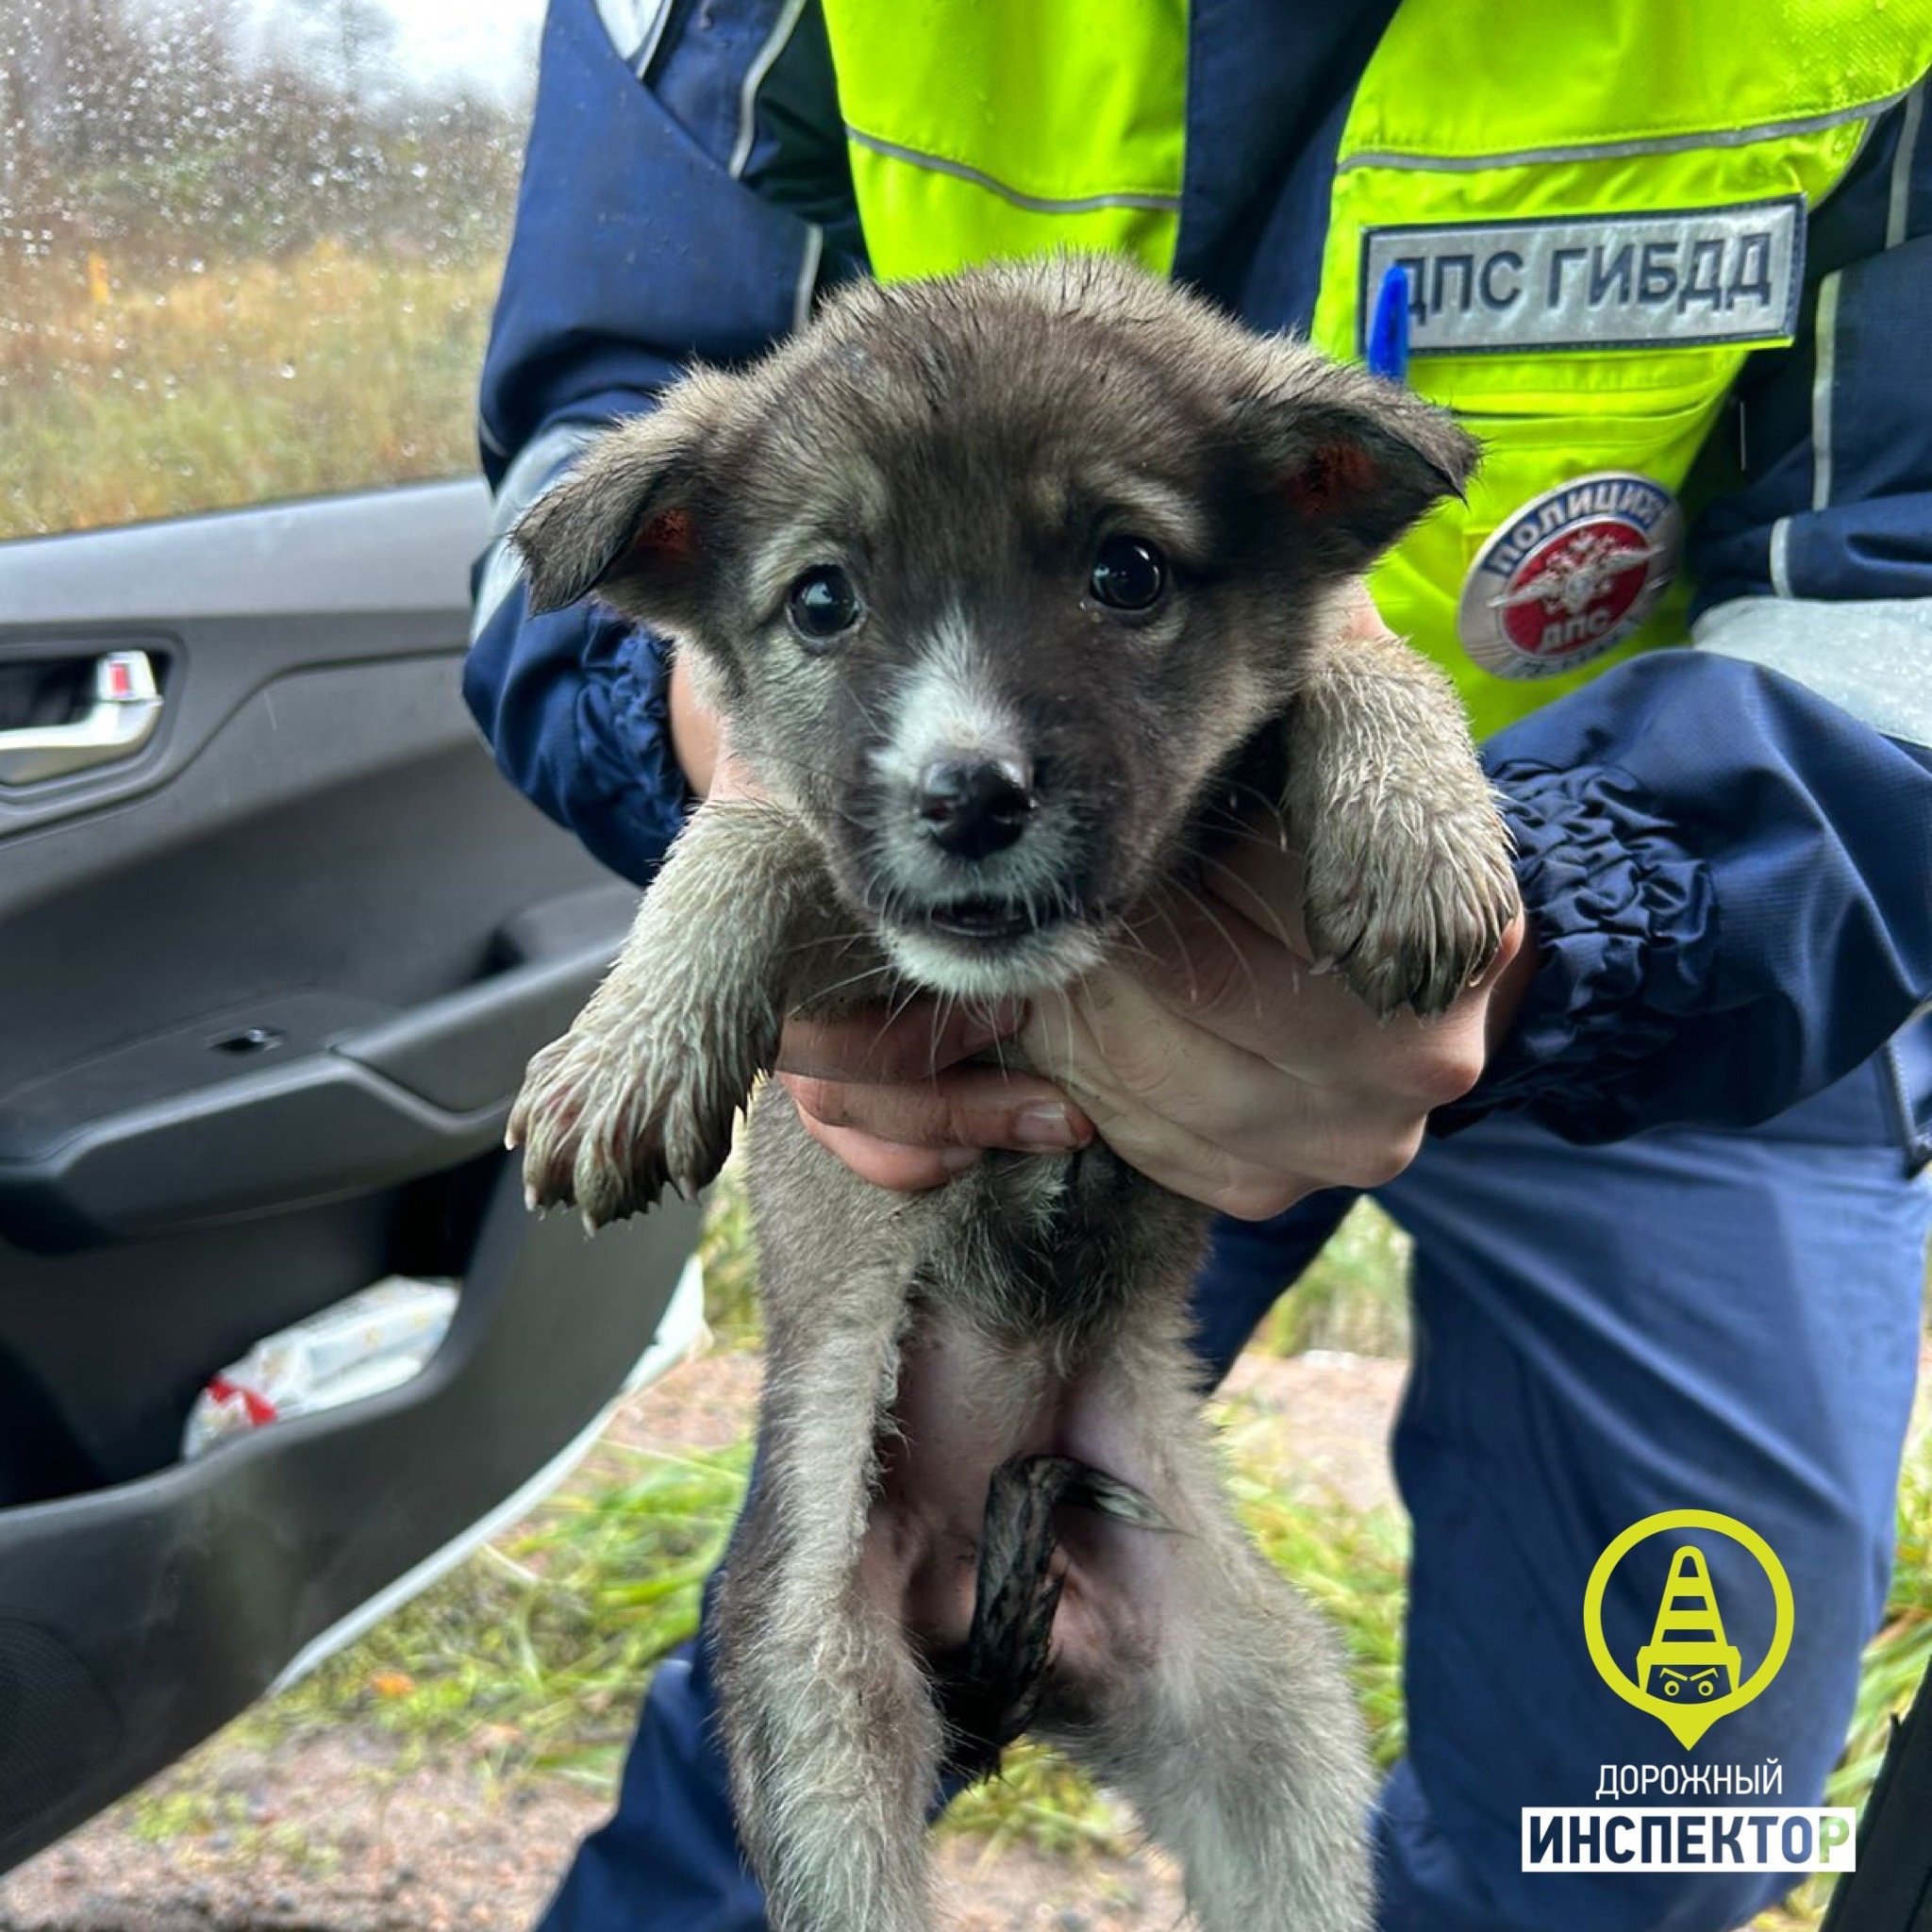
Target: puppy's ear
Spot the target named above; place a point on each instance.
(626, 519)
(1357, 459)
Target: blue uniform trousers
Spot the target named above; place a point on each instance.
(1684, 1319)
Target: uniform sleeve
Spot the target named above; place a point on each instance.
(685, 195)
(1726, 852)
(1729, 879)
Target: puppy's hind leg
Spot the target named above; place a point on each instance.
(1244, 1758)
(833, 1740)
(828, 1721)
(1206, 1691)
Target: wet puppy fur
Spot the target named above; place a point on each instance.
(1006, 583)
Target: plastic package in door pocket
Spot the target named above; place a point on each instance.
(374, 1341)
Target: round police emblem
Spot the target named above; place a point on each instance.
(1571, 574)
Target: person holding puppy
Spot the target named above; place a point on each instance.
(1664, 1164)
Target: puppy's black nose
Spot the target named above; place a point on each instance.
(973, 810)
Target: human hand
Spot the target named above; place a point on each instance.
(1213, 1055)
(1208, 1051)
(884, 1091)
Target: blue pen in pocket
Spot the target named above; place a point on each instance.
(1387, 350)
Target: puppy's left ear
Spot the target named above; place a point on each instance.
(1356, 459)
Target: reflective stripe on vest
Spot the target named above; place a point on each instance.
(1601, 213)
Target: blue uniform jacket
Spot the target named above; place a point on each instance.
(1729, 873)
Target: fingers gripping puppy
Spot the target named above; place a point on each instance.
(1000, 581)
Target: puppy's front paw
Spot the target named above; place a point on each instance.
(604, 1122)
(1410, 906)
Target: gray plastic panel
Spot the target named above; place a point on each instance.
(411, 547)
(136, 1620)
(230, 604)
(264, 990)
(313, 1130)
(466, 1054)
(281, 1105)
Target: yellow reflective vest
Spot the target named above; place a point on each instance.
(1598, 214)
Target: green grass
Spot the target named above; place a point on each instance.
(532, 1657)
(234, 382)
(534, 1653)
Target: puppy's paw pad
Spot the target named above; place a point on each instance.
(610, 1125)
(585, 1119)
(1430, 924)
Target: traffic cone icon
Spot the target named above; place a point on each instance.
(1689, 1674)
(1688, 1647)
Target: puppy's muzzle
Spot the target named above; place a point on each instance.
(974, 808)
(976, 875)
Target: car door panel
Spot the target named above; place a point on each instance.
(267, 984)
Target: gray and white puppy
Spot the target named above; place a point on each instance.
(1002, 582)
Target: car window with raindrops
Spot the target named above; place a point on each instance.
(248, 248)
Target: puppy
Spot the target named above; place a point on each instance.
(1002, 582)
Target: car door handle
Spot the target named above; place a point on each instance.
(127, 707)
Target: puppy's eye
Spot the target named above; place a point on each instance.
(1128, 574)
(822, 605)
